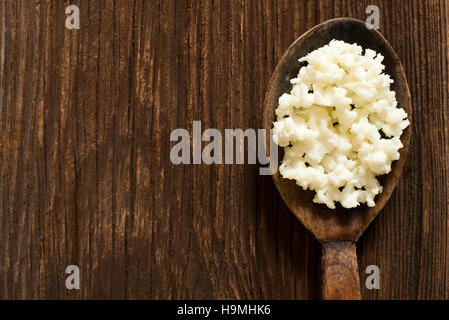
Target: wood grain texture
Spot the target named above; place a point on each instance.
(85, 173)
(340, 272)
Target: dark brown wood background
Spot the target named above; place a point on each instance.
(86, 177)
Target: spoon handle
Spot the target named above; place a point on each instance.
(340, 272)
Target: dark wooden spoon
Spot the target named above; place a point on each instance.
(339, 229)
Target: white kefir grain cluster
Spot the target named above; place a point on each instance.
(340, 125)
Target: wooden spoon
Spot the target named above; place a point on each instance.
(339, 229)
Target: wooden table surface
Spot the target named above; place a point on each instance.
(85, 170)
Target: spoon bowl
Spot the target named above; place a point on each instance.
(338, 229)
